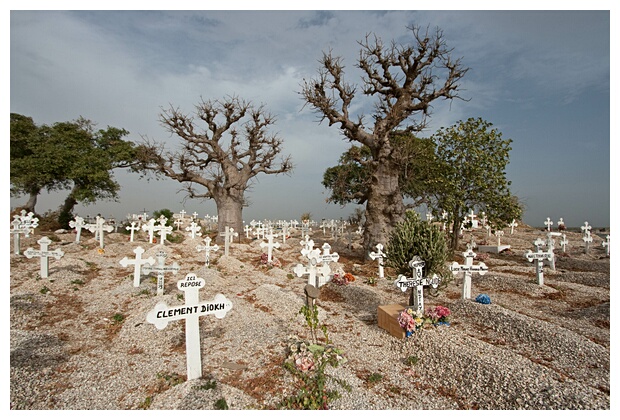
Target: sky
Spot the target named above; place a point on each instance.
(540, 75)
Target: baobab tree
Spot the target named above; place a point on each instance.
(403, 81)
(224, 145)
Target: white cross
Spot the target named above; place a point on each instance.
(247, 229)
(429, 217)
(311, 269)
(483, 219)
(472, 216)
(27, 222)
(270, 245)
(132, 228)
(228, 234)
(326, 258)
(587, 237)
(182, 214)
(513, 225)
(163, 229)
(98, 228)
(306, 244)
(178, 223)
(564, 242)
(195, 215)
(560, 222)
(418, 282)
(379, 255)
(548, 223)
(160, 269)
(18, 228)
(194, 230)
(207, 248)
(137, 262)
(551, 247)
(606, 245)
(284, 227)
(193, 308)
(488, 228)
(539, 256)
(44, 254)
(467, 269)
(77, 224)
(499, 234)
(150, 228)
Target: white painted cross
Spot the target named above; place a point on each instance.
(193, 308)
(499, 234)
(44, 254)
(194, 230)
(564, 242)
(98, 228)
(78, 224)
(311, 269)
(137, 262)
(160, 269)
(150, 228)
(178, 223)
(163, 229)
(429, 217)
(560, 223)
(132, 228)
(548, 223)
(472, 217)
(379, 255)
(606, 245)
(418, 282)
(285, 226)
(326, 258)
(512, 226)
(307, 245)
(207, 248)
(467, 269)
(18, 228)
(488, 228)
(228, 234)
(551, 247)
(27, 222)
(539, 256)
(483, 219)
(247, 229)
(587, 237)
(270, 245)
(182, 215)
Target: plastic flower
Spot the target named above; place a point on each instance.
(483, 298)
(304, 362)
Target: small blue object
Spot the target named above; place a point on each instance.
(408, 333)
(484, 299)
(442, 323)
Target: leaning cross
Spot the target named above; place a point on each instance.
(160, 269)
(539, 256)
(193, 308)
(207, 248)
(44, 254)
(379, 255)
(137, 262)
(467, 269)
(418, 282)
(228, 234)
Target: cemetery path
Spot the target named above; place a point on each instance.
(79, 339)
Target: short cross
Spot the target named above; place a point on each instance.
(150, 228)
(98, 228)
(513, 225)
(311, 269)
(379, 255)
(178, 223)
(560, 223)
(539, 256)
(195, 215)
(587, 237)
(606, 245)
(418, 282)
(193, 308)
(182, 214)
(228, 234)
(44, 254)
(163, 229)
(137, 262)
(548, 223)
(467, 269)
(132, 228)
(77, 224)
(160, 269)
(194, 230)
(247, 229)
(326, 258)
(499, 234)
(564, 242)
(207, 248)
(306, 244)
(270, 245)
(472, 217)
(488, 228)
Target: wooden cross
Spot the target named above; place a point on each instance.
(416, 282)
(228, 234)
(379, 255)
(160, 269)
(539, 256)
(548, 223)
(467, 269)
(193, 308)
(98, 228)
(194, 230)
(132, 228)
(270, 245)
(137, 263)
(606, 245)
(44, 254)
(513, 225)
(163, 229)
(207, 248)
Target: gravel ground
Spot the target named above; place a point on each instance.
(79, 339)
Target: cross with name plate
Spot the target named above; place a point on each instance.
(467, 269)
(44, 254)
(160, 269)
(417, 282)
(539, 256)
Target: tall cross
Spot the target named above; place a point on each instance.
(98, 228)
(472, 217)
(539, 256)
(247, 229)
(194, 230)
(228, 234)
(207, 248)
(284, 227)
(132, 229)
(551, 247)
(160, 269)
(379, 255)
(18, 229)
(416, 282)
(548, 223)
(163, 229)
(467, 269)
(270, 245)
(193, 308)
(44, 254)
(77, 224)
(137, 263)
(326, 258)
(149, 227)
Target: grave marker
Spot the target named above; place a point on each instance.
(163, 229)
(270, 245)
(228, 234)
(149, 227)
(137, 262)
(548, 223)
(606, 245)
(207, 248)
(379, 255)
(194, 230)
(44, 253)
(78, 224)
(467, 269)
(160, 269)
(417, 282)
(326, 258)
(587, 237)
(551, 247)
(98, 228)
(561, 225)
(17, 230)
(512, 226)
(311, 269)
(539, 256)
(564, 242)
(132, 229)
(193, 308)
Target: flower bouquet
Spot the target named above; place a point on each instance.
(343, 280)
(411, 320)
(264, 260)
(438, 315)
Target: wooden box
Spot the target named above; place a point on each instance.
(387, 317)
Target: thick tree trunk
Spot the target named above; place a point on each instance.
(66, 211)
(456, 226)
(229, 213)
(384, 208)
(32, 202)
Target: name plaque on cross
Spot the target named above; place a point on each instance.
(193, 308)
(45, 254)
(540, 256)
(416, 283)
